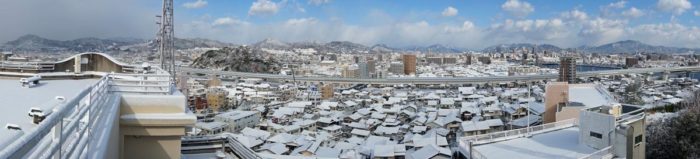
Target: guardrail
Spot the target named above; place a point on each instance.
(27, 65)
(517, 133)
(233, 144)
(70, 130)
(606, 152)
(141, 83)
(468, 152)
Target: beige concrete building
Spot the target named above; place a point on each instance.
(216, 99)
(556, 93)
(565, 101)
(151, 126)
(409, 64)
(327, 91)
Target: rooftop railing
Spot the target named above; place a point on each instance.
(518, 133)
(606, 152)
(79, 128)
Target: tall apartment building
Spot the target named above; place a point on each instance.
(449, 60)
(485, 60)
(351, 71)
(372, 68)
(468, 59)
(567, 69)
(409, 64)
(363, 70)
(396, 68)
(327, 91)
(216, 98)
(631, 62)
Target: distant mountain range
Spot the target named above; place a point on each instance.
(33, 43)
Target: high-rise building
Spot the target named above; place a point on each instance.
(434, 60)
(351, 71)
(631, 62)
(468, 59)
(567, 69)
(409, 64)
(449, 60)
(396, 68)
(485, 60)
(363, 70)
(372, 67)
(327, 91)
(216, 98)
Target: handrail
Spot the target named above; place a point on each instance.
(517, 133)
(607, 151)
(68, 131)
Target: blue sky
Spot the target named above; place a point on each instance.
(481, 12)
(460, 23)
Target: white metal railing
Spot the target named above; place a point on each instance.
(464, 148)
(517, 133)
(606, 152)
(70, 130)
(141, 83)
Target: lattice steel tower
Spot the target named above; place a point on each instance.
(166, 38)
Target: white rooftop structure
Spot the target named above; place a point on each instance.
(589, 95)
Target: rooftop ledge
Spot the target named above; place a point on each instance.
(158, 119)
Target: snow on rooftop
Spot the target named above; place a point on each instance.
(16, 100)
(588, 95)
(556, 144)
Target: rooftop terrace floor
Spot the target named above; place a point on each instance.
(15, 101)
(556, 144)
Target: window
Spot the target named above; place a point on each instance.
(638, 139)
(596, 135)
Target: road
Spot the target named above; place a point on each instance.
(435, 80)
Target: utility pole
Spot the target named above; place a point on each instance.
(166, 39)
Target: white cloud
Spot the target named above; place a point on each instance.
(617, 5)
(195, 4)
(319, 2)
(633, 13)
(466, 26)
(667, 34)
(228, 21)
(573, 31)
(450, 11)
(608, 10)
(262, 7)
(301, 21)
(575, 15)
(70, 19)
(600, 31)
(518, 8)
(677, 7)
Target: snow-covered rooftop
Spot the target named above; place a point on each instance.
(556, 144)
(16, 100)
(588, 95)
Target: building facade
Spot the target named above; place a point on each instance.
(409, 64)
(567, 69)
